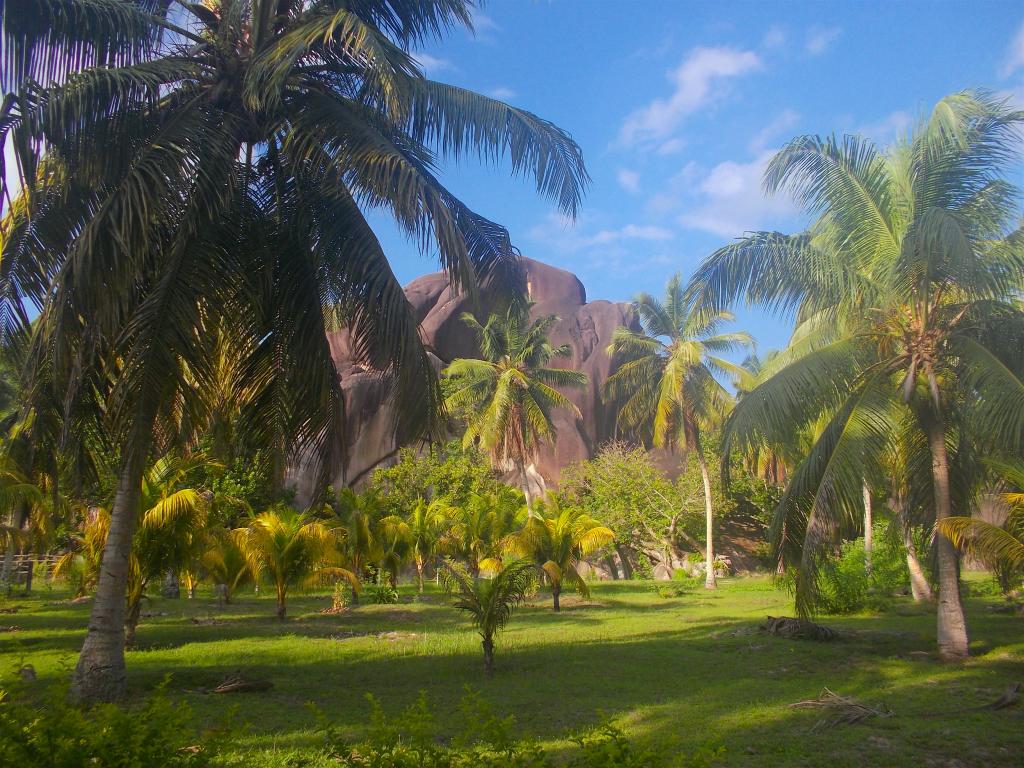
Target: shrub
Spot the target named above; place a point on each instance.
(413, 740)
(845, 585)
(383, 593)
(54, 732)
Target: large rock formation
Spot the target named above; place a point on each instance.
(586, 326)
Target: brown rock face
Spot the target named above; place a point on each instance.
(586, 327)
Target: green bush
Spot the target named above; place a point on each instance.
(382, 593)
(51, 731)
(844, 582)
(413, 740)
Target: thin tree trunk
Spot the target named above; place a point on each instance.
(627, 567)
(419, 575)
(100, 673)
(951, 624)
(282, 607)
(710, 581)
(131, 623)
(7, 574)
(869, 543)
(919, 586)
(556, 591)
(488, 646)
(29, 567)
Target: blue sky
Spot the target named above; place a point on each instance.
(678, 105)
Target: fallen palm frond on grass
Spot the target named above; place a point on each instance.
(798, 629)
(842, 710)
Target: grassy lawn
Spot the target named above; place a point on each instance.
(676, 674)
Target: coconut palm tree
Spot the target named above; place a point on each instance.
(557, 539)
(476, 530)
(489, 602)
(80, 564)
(224, 561)
(508, 396)
(252, 135)
(905, 286)
(426, 524)
(1001, 547)
(291, 547)
(669, 381)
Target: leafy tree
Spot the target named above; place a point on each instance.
(557, 538)
(904, 287)
(489, 602)
(668, 382)
(449, 472)
(290, 547)
(252, 135)
(507, 397)
(80, 564)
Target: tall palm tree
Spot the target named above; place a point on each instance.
(489, 602)
(290, 547)
(251, 136)
(508, 396)
(557, 539)
(905, 283)
(669, 381)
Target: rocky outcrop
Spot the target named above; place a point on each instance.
(586, 326)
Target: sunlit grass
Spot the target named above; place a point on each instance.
(676, 673)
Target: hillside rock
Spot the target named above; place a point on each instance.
(586, 326)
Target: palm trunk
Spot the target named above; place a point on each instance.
(131, 623)
(556, 591)
(869, 543)
(7, 574)
(419, 575)
(919, 586)
(488, 646)
(951, 624)
(100, 673)
(29, 568)
(710, 582)
(627, 568)
(282, 607)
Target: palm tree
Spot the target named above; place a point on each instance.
(508, 396)
(224, 561)
(557, 539)
(426, 523)
(489, 602)
(290, 547)
(253, 135)
(668, 383)
(358, 517)
(1001, 547)
(80, 565)
(475, 531)
(171, 529)
(904, 285)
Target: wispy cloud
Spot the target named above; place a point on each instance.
(485, 29)
(629, 180)
(887, 129)
(819, 39)
(562, 235)
(731, 202)
(775, 37)
(502, 93)
(692, 81)
(432, 65)
(1014, 54)
(782, 124)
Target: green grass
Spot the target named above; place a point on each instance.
(677, 674)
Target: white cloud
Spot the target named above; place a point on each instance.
(501, 92)
(888, 129)
(731, 201)
(820, 38)
(562, 235)
(671, 147)
(782, 124)
(693, 80)
(1014, 54)
(775, 37)
(1014, 95)
(432, 65)
(485, 28)
(629, 180)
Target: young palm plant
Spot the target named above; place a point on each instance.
(489, 602)
(904, 288)
(475, 530)
(669, 385)
(426, 524)
(290, 547)
(224, 561)
(557, 539)
(508, 396)
(252, 135)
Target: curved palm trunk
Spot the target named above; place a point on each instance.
(100, 673)
(710, 581)
(556, 592)
(419, 575)
(919, 586)
(131, 623)
(951, 624)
